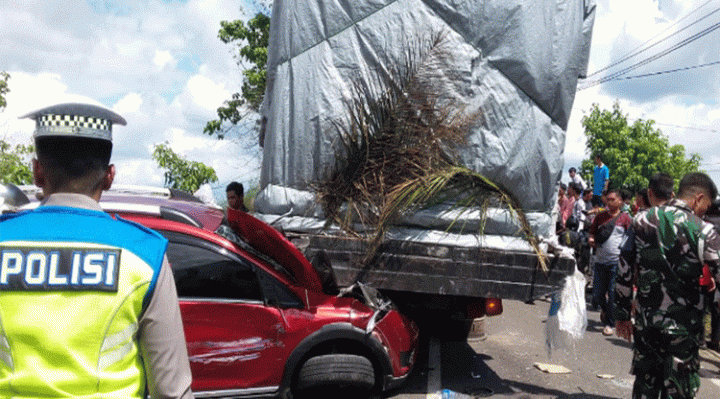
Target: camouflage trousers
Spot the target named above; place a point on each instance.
(665, 366)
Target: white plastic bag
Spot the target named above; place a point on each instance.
(553, 336)
(572, 315)
(206, 194)
(567, 317)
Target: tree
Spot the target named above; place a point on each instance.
(15, 164)
(180, 173)
(4, 90)
(251, 40)
(14, 161)
(634, 152)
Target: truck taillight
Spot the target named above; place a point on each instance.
(480, 307)
(493, 306)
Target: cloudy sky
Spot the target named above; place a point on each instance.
(685, 104)
(157, 63)
(161, 66)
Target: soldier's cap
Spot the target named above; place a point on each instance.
(75, 120)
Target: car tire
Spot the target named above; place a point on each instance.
(337, 370)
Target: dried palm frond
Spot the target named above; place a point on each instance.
(398, 128)
(464, 190)
(397, 150)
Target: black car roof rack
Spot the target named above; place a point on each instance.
(122, 189)
(164, 212)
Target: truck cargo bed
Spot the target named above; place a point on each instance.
(443, 269)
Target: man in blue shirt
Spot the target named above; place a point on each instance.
(601, 178)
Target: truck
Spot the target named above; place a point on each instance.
(510, 67)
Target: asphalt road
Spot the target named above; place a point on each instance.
(505, 364)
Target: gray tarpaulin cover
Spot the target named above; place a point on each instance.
(519, 61)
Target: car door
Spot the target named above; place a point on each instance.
(234, 339)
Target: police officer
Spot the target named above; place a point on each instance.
(671, 244)
(88, 302)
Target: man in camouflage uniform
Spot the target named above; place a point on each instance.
(672, 243)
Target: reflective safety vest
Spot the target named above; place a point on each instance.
(73, 285)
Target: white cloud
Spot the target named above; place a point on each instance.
(106, 50)
(32, 91)
(151, 120)
(138, 171)
(714, 114)
(129, 104)
(29, 92)
(205, 93)
(163, 59)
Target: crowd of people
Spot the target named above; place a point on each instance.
(652, 258)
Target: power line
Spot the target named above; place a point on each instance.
(671, 125)
(663, 53)
(655, 57)
(639, 49)
(680, 127)
(662, 72)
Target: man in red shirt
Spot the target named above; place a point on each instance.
(566, 205)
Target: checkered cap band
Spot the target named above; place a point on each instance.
(73, 125)
(75, 120)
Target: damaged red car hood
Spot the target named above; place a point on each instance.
(272, 243)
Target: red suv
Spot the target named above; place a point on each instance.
(260, 320)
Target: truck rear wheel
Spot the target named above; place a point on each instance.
(337, 371)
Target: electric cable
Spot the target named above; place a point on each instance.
(663, 53)
(663, 72)
(655, 57)
(637, 50)
(679, 126)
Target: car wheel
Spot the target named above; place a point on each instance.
(337, 370)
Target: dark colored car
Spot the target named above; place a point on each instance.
(259, 318)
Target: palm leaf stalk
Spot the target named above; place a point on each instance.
(465, 190)
(397, 151)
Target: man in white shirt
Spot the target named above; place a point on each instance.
(575, 190)
(575, 178)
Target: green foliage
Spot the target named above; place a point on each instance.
(251, 40)
(634, 152)
(4, 90)
(15, 163)
(180, 173)
(250, 193)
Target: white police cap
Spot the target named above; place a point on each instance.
(75, 120)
